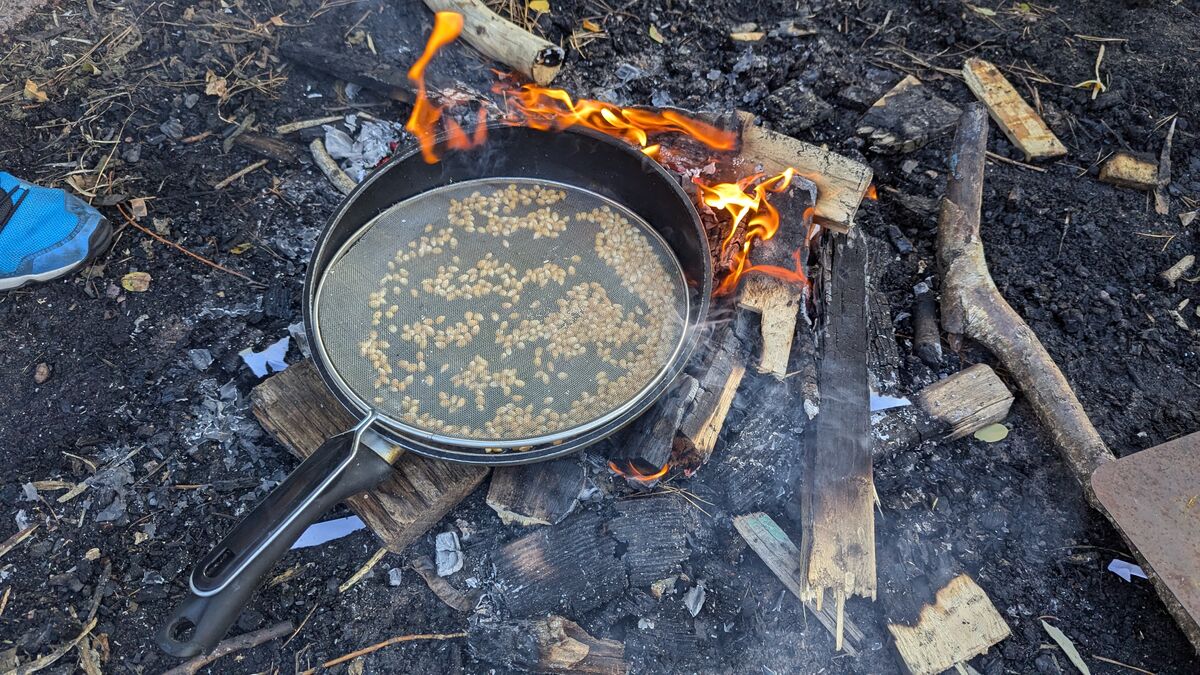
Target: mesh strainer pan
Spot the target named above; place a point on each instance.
(502, 312)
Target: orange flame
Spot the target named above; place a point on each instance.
(553, 109)
(631, 473)
(872, 194)
(425, 115)
(761, 219)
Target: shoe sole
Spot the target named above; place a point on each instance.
(97, 244)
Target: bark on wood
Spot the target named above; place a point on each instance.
(1016, 119)
(330, 168)
(837, 496)
(946, 410)
(962, 623)
(536, 494)
(927, 338)
(570, 568)
(1175, 272)
(502, 40)
(973, 306)
(906, 118)
(1127, 171)
(550, 644)
(1162, 203)
(297, 409)
(841, 182)
(282, 151)
(782, 557)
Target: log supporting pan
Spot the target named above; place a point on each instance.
(512, 303)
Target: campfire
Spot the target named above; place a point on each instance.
(638, 339)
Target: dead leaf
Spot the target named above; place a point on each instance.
(136, 282)
(34, 93)
(1067, 646)
(241, 248)
(84, 185)
(92, 554)
(992, 433)
(655, 35)
(983, 11)
(89, 68)
(276, 20)
(138, 208)
(542, 6)
(588, 24)
(215, 86)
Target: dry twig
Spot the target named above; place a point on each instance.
(231, 645)
(153, 235)
(380, 645)
(240, 174)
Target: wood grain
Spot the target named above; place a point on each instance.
(961, 624)
(1019, 122)
(298, 410)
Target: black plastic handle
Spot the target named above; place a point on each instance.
(223, 581)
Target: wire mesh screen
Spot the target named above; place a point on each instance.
(502, 311)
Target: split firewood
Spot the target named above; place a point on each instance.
(946, 410)
(960, 624)
(718, 375)
(972, 306)
(841, 182)
(504, 41)
(549, 644)
(906, 118)
(644, 447)
(536, 494)
(782, 557)
(1128, 171)
(927, 338)
(298, 410)
(837, 495)
(778, 301)
(1019, 122)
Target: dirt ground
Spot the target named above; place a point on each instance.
(171, 456)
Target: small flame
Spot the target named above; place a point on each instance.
(751, 206)
(630, 472)
(537, 107)
(872, 194)
(423, 122)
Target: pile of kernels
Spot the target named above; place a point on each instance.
(584, 347)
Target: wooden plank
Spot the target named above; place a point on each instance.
(776, 549)
(298, 410)
(841, 182)
(837, 494)
(1019, 122)
(962, 623)
(536, 494)
(951, 408)
(1127, 171)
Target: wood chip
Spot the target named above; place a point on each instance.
(961, 624)
(1019, 122)
(1128, 171)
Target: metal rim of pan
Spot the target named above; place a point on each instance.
(433, 445)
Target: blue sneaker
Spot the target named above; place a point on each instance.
(45, 232)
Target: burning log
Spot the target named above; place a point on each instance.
(536, 494)
(298, 410)
(973, 306)
(1013, 115)
(780, 555)
(718, 376)
(643, 450)
(841, 182)
(571, 568)
(550, 644)
(837, 495)
(504, 41)
(946, 410)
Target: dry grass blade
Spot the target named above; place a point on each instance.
(362, 571)
(49, 659)
(12, 542)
